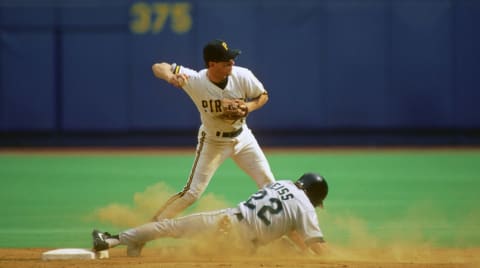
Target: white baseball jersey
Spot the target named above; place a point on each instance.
(279, 208)
(207, 96)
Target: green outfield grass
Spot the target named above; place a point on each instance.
(376, 196)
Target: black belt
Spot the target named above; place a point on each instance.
(232, 134)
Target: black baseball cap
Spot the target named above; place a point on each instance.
(217, 50)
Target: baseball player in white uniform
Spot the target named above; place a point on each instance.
(224, 94)
(279, 208)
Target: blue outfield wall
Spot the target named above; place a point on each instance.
(338, 71)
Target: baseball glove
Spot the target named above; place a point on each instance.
(233, 109)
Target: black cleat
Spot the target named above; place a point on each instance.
(99, 240)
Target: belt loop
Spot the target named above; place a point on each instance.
(218, 134)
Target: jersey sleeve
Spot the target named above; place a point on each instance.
(179, 69)
(309, 228)
(254, 86)
(192, 75)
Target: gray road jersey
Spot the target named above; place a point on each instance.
(279, 208)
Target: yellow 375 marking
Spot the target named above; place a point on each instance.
(151, 18)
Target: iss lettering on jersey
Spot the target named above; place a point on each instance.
(283, 191)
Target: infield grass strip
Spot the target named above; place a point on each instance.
(46, 199)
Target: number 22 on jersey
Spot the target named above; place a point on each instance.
(273, 205)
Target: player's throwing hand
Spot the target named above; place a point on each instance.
(178, 80)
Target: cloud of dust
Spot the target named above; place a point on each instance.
(227, 247)
(420, 234)
(147, 203)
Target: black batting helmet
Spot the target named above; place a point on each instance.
(315, 186)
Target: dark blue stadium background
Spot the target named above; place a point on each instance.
(368, 72)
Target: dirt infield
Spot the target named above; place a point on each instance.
(156, 257)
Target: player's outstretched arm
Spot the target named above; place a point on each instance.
(164, 71)
(297, 240)
(318, 248)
